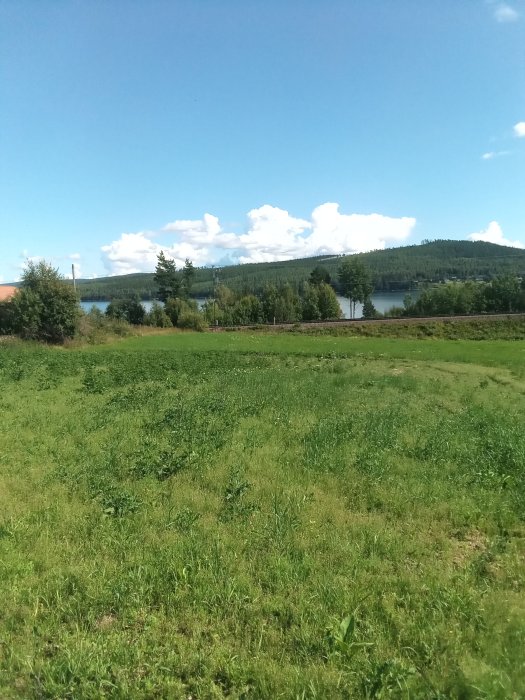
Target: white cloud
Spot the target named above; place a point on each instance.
(132, 252)
(504, 13)
(271, 234)
(136, 252)
(494, 234)
(334, 232)
(519, 130)
(205, 231)
(494, 154)
(275, 235)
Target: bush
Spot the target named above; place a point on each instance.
(94, 327)
(193, 320)
(45, 308)
(129, 309)
(395, 312)
(174, 308)
(6, 317)
(157, 317)
(369, 310)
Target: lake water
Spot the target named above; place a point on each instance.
(103, 305)
(383, 301)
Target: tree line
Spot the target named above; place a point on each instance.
(47, 308)
(314, 300)
(503, 294)
(393, 269)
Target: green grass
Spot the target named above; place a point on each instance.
(493, 353)
(262, 516)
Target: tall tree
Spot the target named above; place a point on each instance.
(503, 294)
(188, 273)
(166, 278)
(269, 303)
(355, 282)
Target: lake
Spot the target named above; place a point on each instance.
(383, 301)
(103, 305)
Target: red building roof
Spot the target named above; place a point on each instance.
(6, 292)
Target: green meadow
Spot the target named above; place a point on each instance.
(258, 515)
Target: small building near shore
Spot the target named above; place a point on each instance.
(7, 292)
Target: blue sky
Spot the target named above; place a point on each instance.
(247, 130)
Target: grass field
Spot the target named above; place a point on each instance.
(263, 516)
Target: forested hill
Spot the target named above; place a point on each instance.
(392, 269)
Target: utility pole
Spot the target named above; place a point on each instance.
(73, 275)
(215, 284)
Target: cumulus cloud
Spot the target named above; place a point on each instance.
(519, 130)
(132, 252)
(494, 234)
(205, 231)
(137, 252)
(334, 232)
(504, 13)
(271, 234)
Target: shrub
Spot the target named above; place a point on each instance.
(157, 317)
(6, 317)
(94, 327)
(395, 312)
(369, 310)
(130, 310)
(193, 320)
(176, 307)
(45, 308)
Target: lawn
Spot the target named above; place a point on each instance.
(250, 515)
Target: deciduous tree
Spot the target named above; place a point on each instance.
(46, 307)
(129, 309)
(355, 282)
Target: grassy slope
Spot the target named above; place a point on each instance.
(195, 515)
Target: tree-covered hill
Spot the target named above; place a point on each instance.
(392, 269)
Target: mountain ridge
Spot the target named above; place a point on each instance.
(392, 269)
